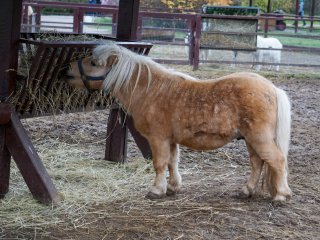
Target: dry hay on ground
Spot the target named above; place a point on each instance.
(103, 200)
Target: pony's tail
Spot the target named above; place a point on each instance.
(283, 122)
(283, 129)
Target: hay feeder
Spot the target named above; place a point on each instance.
(229, 27)
(41, 90)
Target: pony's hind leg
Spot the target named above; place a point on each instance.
(161, 154)
(174, 175)
(256, 168)
(276, 173)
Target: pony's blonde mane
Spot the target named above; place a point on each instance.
(127, 61)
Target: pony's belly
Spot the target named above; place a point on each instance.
(205, 141)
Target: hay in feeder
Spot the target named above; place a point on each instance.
(45, 91)
(228, 33)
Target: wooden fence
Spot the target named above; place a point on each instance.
(163, 28)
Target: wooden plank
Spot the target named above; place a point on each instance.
(29, 162)
(4, 163)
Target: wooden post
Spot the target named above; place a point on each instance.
(266, 25)
(296, 23)
(13, 138)
(312, 13)
(196, 45)
(128, 20)
(117, 134)
(118, 122)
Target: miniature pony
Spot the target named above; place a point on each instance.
(171, 108)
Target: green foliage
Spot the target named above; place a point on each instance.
(286, 5)
(102, 20)
(51, 10)
(226, 10)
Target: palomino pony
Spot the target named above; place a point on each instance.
(171, 108)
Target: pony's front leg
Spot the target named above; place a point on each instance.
(161, 154)
(174, 175)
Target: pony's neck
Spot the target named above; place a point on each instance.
(153, 81)
(138, 86)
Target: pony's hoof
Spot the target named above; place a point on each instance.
(247, 192)
(281, 198)
(242, 195)
(153, 196)
(170, 192)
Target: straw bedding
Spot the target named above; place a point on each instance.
(103, 200)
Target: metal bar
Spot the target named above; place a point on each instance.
(29, 163)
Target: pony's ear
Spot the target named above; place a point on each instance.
(112, 60)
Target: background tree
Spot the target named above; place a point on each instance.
(287, 6)
(193, 4)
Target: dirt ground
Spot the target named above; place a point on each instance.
(209, 206)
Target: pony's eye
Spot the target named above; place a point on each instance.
(93, 64)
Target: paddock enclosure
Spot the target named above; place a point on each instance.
(104, 200)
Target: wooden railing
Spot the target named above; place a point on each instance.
(268, 25)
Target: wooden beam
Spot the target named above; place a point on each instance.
(4, 164)
(128, 20)
(13, 138)
(117, 135)
(29, 162)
